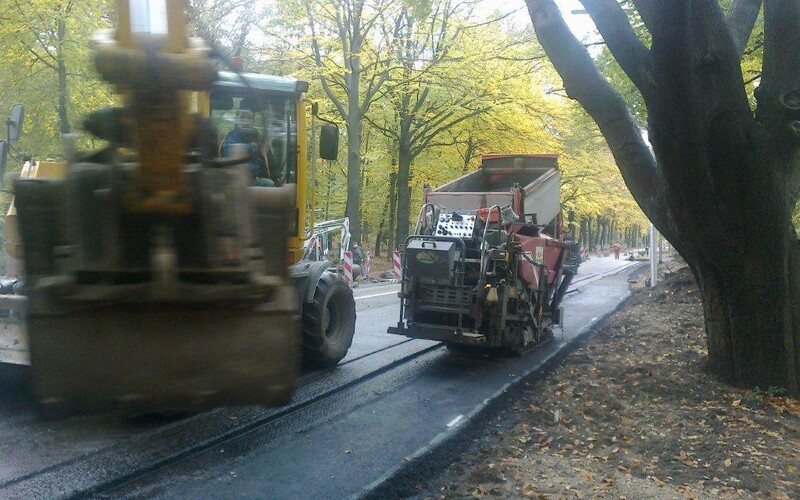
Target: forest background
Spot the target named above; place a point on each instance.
(420, 89)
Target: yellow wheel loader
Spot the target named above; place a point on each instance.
(159, 275)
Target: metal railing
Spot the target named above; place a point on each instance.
(422, 213)
(485, 246)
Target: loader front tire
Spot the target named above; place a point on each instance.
(329, 322)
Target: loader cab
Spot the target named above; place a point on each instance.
(279, 112)
(274, 120)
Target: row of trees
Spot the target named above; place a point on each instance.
(425, 87)
(421, 88)
(46, 65)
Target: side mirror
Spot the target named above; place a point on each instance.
(329, 142)
(14, 123)
(3, 159)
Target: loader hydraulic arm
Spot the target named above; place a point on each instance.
(155, 66)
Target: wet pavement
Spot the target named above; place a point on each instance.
(345, 429)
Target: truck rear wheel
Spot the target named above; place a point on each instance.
(329, 322)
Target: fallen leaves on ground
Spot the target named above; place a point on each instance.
(633, 414)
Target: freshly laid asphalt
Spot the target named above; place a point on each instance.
(343, 445)
(346, 430)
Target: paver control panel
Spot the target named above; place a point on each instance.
(456, 224)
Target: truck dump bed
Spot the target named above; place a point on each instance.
(530, 184)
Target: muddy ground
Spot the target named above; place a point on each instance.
(631, 412)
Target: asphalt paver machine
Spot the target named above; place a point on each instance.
(485, 265)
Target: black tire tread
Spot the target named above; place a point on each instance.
(317, 349)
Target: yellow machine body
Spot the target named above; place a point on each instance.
(156, 275)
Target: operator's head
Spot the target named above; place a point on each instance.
(244, 119)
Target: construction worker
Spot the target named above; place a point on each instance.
(245, 133)
(617, 247)
(358, 260)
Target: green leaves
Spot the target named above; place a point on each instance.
(47, 65)
(456, 84)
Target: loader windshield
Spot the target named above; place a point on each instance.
(275, 118)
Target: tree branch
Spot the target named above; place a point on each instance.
(39, 58)
(421, 98)
(426, 140)
(584, 83)
(630, 53)
(741, 19)
(422, 131)
(386, 131)
(646, 8)
(371, 91)
(318, 59)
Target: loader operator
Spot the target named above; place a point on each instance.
(245, 133)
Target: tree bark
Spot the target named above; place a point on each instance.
(354, 150)
(63, 89)
(589, 234)
(601, 232)
(392, 214)
(403, 192)
(382, 224)
(724, 185)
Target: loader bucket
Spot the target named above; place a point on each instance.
(132, 312)
(138, 358)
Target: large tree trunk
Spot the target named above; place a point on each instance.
(392, 245)
(63, 89)
(354, 163)
(750, 316)
(728, 212)
(403, 193)
(751, 301)
(725, 181)
(404, 158)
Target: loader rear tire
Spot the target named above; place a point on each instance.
(329, 322)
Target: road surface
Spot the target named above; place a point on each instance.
(345, 430)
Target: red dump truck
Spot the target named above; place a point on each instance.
(486, 264)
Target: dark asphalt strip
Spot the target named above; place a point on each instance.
(402, 481)
(147, 452)
(347, 362)
(298, 456)
(142, 454)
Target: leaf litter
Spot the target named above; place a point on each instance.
(633, 413)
